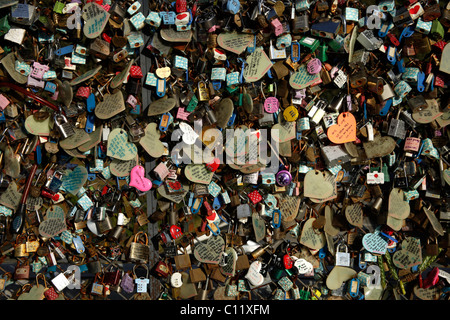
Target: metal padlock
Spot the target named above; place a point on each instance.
(432, 12)
(342, 257)
(62, 280)
(397, 128)
(432, 249)
(64, 127)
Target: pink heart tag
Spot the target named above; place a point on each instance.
(138, 180)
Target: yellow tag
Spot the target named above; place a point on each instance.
(290, 113)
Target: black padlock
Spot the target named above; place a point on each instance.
(432, 12)
(300, 24)
(402, 18)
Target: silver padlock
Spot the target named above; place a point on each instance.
(63, 125)
(342, 258)
(62, 280)
(397, 128)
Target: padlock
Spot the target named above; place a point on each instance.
(64, 127)
(397, 128)
(432, 249)
(139, 252)
(342, 257)
(62, 280)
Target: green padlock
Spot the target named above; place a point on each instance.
(4, 25)
(437, 30)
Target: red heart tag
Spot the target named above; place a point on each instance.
(414, 9)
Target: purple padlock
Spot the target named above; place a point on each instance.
(127, 283)
(314, 66)
(283, 178)
(271, 105)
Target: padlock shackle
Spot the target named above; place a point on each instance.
(30, 95)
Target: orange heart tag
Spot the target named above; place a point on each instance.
(345, 129)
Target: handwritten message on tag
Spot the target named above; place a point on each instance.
(111, 105)
(11, 197)
(34, 204)
(121, 168)
(55, 212)
(50, 228)
(95, 20)
(398, 206)
(85, 76)
(210, 251)
(429, 114)
(119, 147)
(375, 243)
(76, 140)
(310, 238)
(258, 63)
(380, 146)
(344, 131)
(198, 173)
(230, 262)
(409, 255)
(303, 79)
(354, 215)
(288, 206)
(161, 106)
(94, 139)
(73, 180)
(235, 42)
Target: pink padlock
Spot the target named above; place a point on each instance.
(412, 144)
(314, 66)
(271, 105)
(277, 27)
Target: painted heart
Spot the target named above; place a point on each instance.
(409, 255)
(345, 129)
(138, 180)
(338, 276)
(52, 227)
(210, 251)
(414, 10)
(375, 243)
(253, 274)
(213, 165)
(72, 181)
(181, 16)
(119, 147)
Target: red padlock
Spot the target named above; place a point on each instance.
(136, 72)
(181, 6)
(175, 232)
(287, 261)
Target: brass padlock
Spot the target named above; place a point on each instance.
(203, 93)
(139, 252)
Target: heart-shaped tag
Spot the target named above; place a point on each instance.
(163, 73)
(35, 293)
(345, 129)
(65, 92)
(354, 215)
(55, 212)
(258, 63)
(380, 146)
(38, 128)
(95, 19)
(138, 180)
(235, 42)
(150, 142)
(121, 168)
(444, 66)
(338, 276)
(375, 243)
(161, 106)
(111, 105)
(50, 228)
(119, 147)
(198, 173)
(316, 185)
(284, 132)
(72, 181)
(409, 255)
(398, 207)
(74, 141)
(229, 269)
(210, 251)
(253, 274)
(310, 237)
(432, 293)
